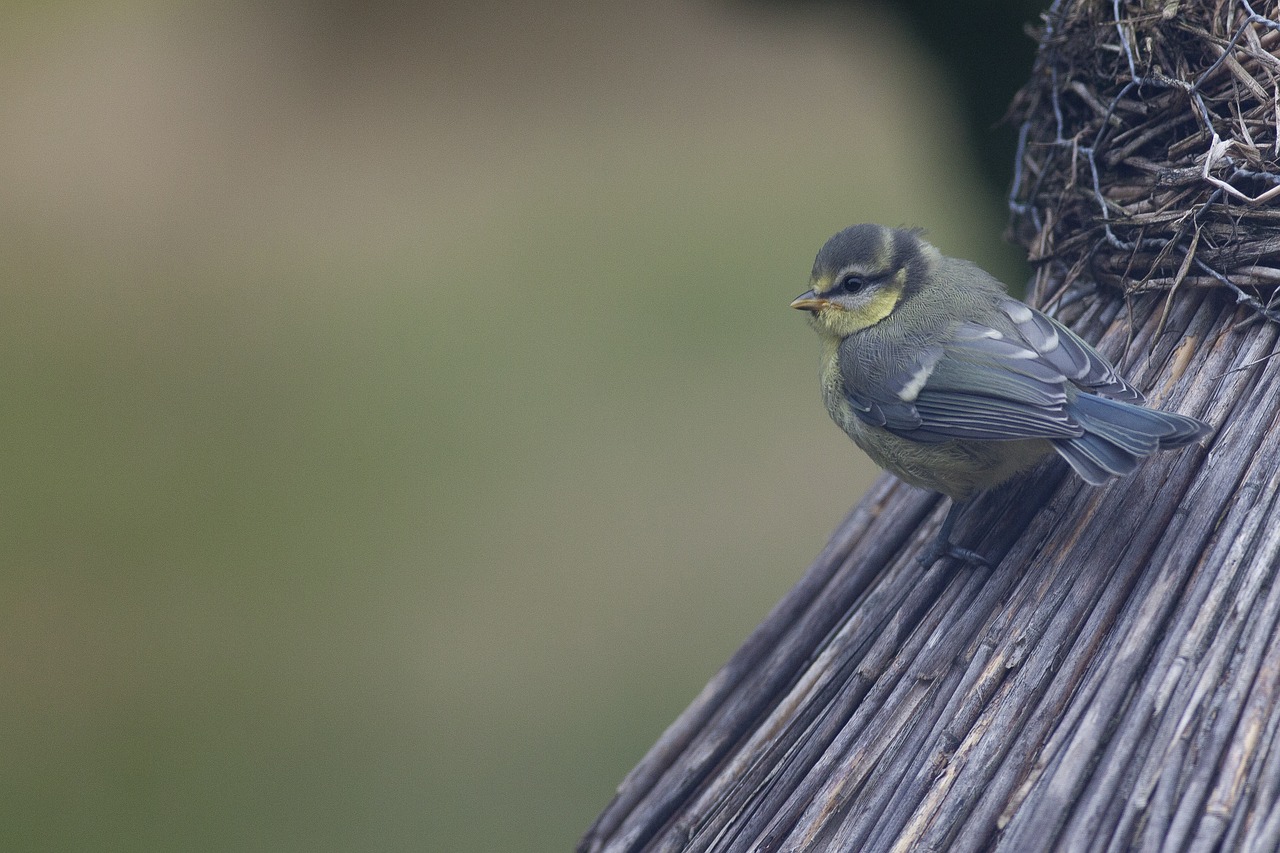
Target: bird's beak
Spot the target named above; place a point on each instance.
(809, 301)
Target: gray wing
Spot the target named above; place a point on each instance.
(1064, 349)
(982, 383)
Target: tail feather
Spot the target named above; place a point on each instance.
(1096, 459)
(1118, 435)
(1133, 429)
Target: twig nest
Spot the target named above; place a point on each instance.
(1149, 148)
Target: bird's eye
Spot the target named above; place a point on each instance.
(852, 283)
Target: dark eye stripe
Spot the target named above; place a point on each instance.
(852, 283)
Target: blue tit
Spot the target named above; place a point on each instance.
(951, 384)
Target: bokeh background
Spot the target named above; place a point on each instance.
(402, 414)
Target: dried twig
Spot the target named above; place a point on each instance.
(1154, 171)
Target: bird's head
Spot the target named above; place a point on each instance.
(861, 276)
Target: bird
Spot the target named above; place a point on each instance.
(951, 384)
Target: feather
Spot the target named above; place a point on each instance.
(1141, 430)
(976, 416)
(1095, 459)
(1065, 350)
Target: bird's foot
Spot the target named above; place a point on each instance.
(940, 548)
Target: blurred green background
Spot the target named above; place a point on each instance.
(402, 414)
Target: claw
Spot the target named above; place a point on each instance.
(942, 546)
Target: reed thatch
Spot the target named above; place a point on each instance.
(1113, 681)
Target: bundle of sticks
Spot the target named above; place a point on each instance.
(1149, 148)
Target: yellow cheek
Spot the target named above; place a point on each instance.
(842, 322)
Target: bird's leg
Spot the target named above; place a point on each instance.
(942, 546)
